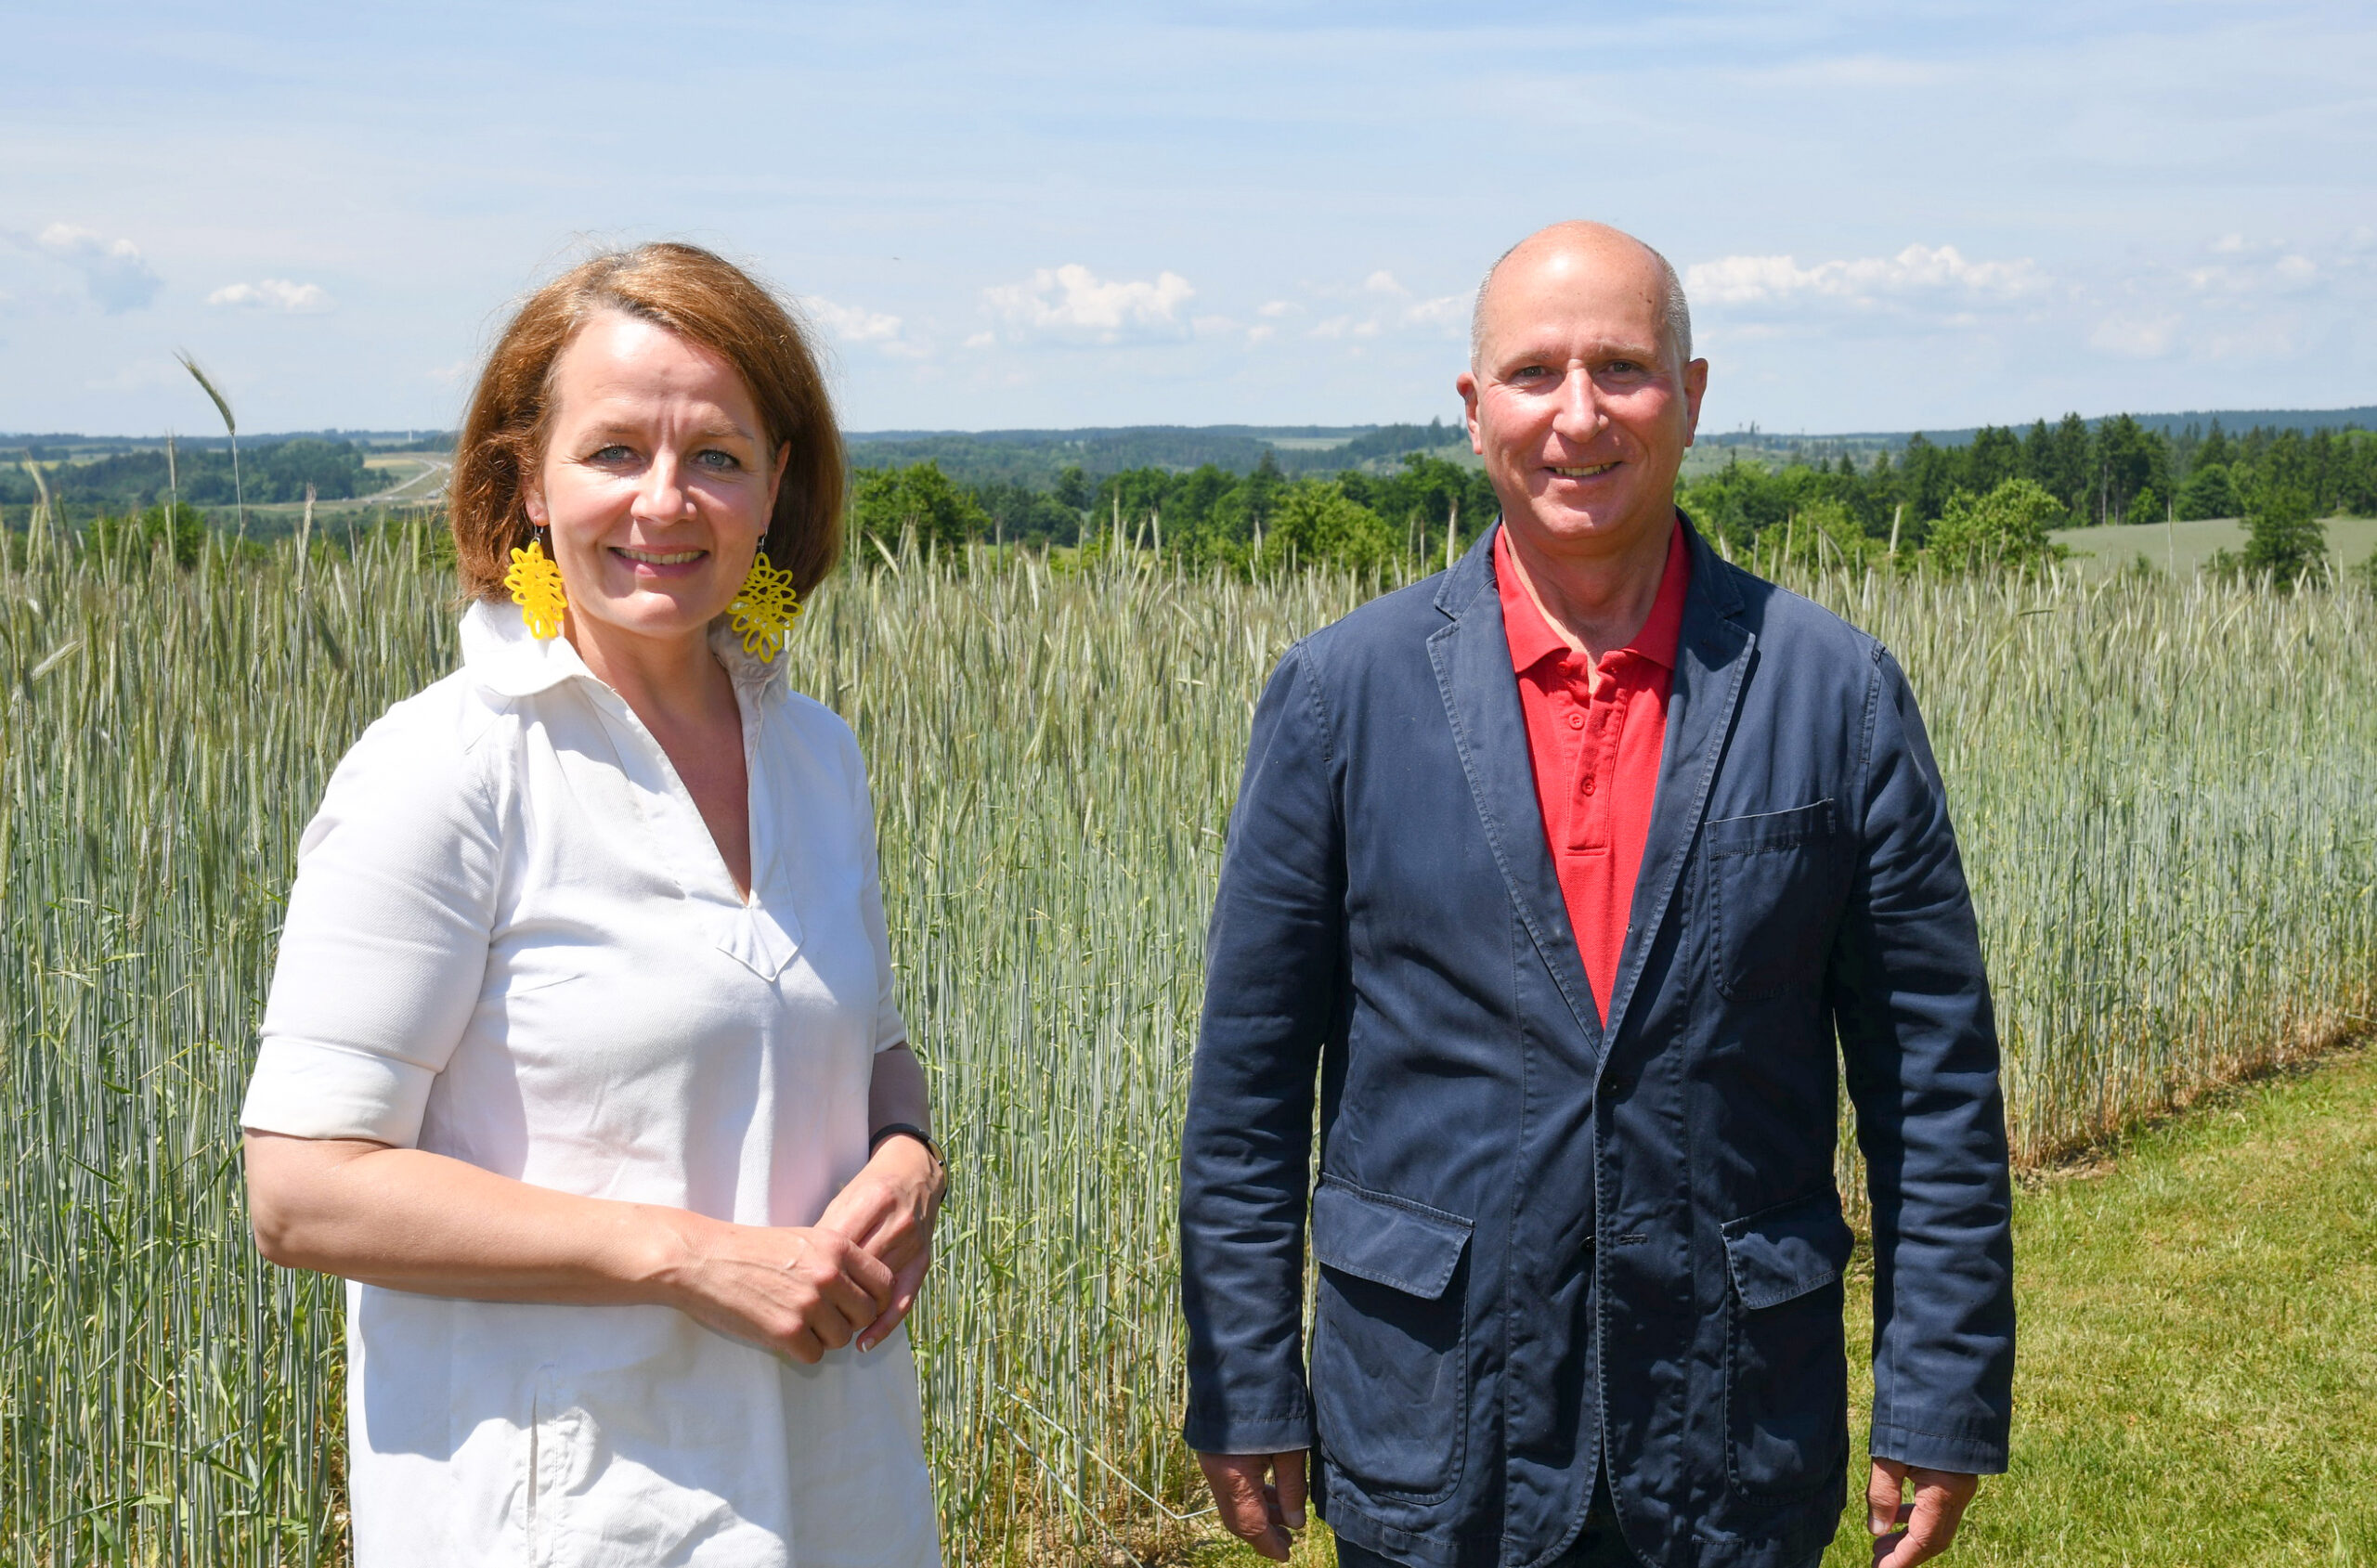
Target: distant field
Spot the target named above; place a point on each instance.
(2183, 547)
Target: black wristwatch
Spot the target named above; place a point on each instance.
(907, 1130)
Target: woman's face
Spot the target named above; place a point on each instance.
(656, 485)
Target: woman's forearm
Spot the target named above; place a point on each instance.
(413, 1221)
(422, 1221)
(897, 1092)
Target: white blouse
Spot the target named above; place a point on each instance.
(514, 941)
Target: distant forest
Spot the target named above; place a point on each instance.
(1246, 493)
(130, 480)
(1037, 458)
(2065, 474)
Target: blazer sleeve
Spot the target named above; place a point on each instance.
(1919, 1046)
(1275, 972)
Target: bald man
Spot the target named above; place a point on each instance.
(1561, 875)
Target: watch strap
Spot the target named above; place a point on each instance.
(907, 1130)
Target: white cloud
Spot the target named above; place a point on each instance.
(113, 270)
(274, 293)
(982, 340)
(1348, 327)
(1259, 334)
(1396, 312)
(2135, 337)
(1918, 270)
(1274, 309)
(1071, 301)
(2239, 298)
(2285, 274)
(1442, 310)
(852, 323)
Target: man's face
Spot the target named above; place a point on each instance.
(1576, 402)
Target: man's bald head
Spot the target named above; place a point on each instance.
(1597, 242)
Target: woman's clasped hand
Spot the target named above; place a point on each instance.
(805, 1289)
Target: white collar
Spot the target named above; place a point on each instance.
(502, 656)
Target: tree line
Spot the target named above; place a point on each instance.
(129, 482)
(1996, 500)
(2119, 470)
(1204, 516)
(1036, 458)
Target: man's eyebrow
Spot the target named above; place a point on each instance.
(1561, 353)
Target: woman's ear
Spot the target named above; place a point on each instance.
(532, 502)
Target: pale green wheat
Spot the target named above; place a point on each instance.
(2163, 792)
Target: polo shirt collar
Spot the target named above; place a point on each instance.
(1533, 640)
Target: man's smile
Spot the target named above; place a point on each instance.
(1587, 472)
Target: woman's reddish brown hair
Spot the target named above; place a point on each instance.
(702, 299)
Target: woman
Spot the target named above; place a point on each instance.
(581, 1060)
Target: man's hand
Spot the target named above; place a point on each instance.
(1265, 1514)
(1930, 1519)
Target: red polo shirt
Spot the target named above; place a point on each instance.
(1596, 736)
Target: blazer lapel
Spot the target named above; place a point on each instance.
(1712, 657)
(1472, 657)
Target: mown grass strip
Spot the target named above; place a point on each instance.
(2197, 1381)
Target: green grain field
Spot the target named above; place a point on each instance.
(2162, 787)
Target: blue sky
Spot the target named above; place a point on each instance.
(1057, 215)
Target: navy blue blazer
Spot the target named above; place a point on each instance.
(1545, 1238)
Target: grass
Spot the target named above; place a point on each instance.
(2162, 789)
(2197, 1378)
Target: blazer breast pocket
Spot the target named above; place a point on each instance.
(1775, 886)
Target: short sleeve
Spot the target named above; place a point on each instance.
(385, 945)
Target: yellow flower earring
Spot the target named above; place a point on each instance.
(763, 611)
(534, 582)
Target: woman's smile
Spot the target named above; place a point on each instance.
(660, 563)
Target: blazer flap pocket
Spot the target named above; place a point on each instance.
(1390, 1242)
(1787, 1251)
(1772, 830)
